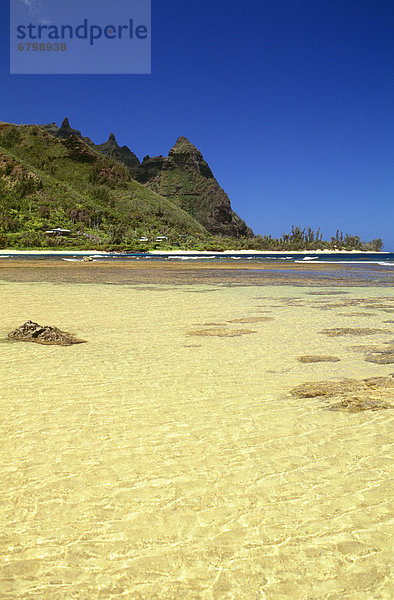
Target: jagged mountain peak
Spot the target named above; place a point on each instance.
(185, 155)
(185, 178)
(65, 130)
(123, 153)
(184, 146)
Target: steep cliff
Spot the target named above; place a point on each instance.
(185, 178)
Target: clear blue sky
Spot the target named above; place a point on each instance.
(290, 101)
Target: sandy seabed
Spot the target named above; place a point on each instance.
(161, 462)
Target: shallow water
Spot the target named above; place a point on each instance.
(154, 464)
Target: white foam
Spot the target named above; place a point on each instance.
(349, 262)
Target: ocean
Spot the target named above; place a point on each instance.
(378, 258)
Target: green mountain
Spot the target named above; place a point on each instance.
(50, 180)
(123, 154)
(59, 189)
(184, 178)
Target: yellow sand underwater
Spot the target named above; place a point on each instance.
(157, 463)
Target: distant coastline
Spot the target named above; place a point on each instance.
(13, 251)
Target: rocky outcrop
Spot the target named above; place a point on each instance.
(185, 178)
(123, 154)
(43, 334)
(65, 131)
(185, 154)
(110, 148)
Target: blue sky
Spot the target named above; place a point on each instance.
(290, 102)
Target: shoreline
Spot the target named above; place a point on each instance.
(240, 272)
(13, 252)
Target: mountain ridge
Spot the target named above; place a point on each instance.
(49, 181)
(183, 177)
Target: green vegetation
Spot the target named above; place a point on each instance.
(308, 239)
(48, 182)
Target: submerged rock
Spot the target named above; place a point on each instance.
(357, 314)
(335, 388)
(327, 293)
(43, 334)
(337, 331)
(252, 320)
(317, 358)
(367, 303)
(357, 404)
(350, 395)
(383, 357)
(220, 332)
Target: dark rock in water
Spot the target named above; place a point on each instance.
(383, 357)
(357, 314)
(317, 358)
(33, 332)
(220, 332)
(252, 320)
(343, 386)
(351, 395)
(357, 404)
(323, 388)
(337, 331)
(327, 293)
(369, 303)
